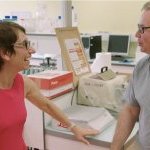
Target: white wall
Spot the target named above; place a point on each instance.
(115, 16)
(119, 16)
(53, 8)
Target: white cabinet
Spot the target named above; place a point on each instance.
(34, 127)
(35, 124)
(59, 143)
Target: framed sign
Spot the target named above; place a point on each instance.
(72, 51)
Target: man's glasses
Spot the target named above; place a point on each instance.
(26, 44)
(141, 28)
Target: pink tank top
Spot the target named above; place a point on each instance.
(12, 116)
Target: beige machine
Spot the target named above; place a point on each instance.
(97, 92)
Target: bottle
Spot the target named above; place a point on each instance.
(7, 18)
(59, 21)
(14, 19)
(74, 17)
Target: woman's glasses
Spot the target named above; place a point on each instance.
(26, 44)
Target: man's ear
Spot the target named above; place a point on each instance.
(4, 56)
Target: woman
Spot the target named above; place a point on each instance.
(15, 54)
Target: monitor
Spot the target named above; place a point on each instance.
(92, 44)
(118, 45)
(95, 45)
(86, 45)
(86, 42)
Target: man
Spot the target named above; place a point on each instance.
(137, 95)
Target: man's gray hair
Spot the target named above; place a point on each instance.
(146, 6)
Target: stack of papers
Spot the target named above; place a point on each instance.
(87, 117)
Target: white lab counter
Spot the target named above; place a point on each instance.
(120, 67)
(123, 67)
(56, 139)
(42, 136)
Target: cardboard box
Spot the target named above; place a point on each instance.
(53, 83)
(72, 52)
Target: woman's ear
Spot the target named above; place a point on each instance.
(4, 56)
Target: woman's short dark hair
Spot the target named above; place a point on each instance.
(8, 36)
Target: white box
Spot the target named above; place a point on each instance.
(53, 83)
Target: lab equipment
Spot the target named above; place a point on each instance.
(95, 45)
(119, 44)
(93, 91)
(92, 44)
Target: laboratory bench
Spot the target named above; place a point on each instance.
(56, 139)
(40, 134)
(123, 67)
(120, 66)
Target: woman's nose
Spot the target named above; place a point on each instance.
(32, 50)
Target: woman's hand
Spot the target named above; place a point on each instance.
(80, 133)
